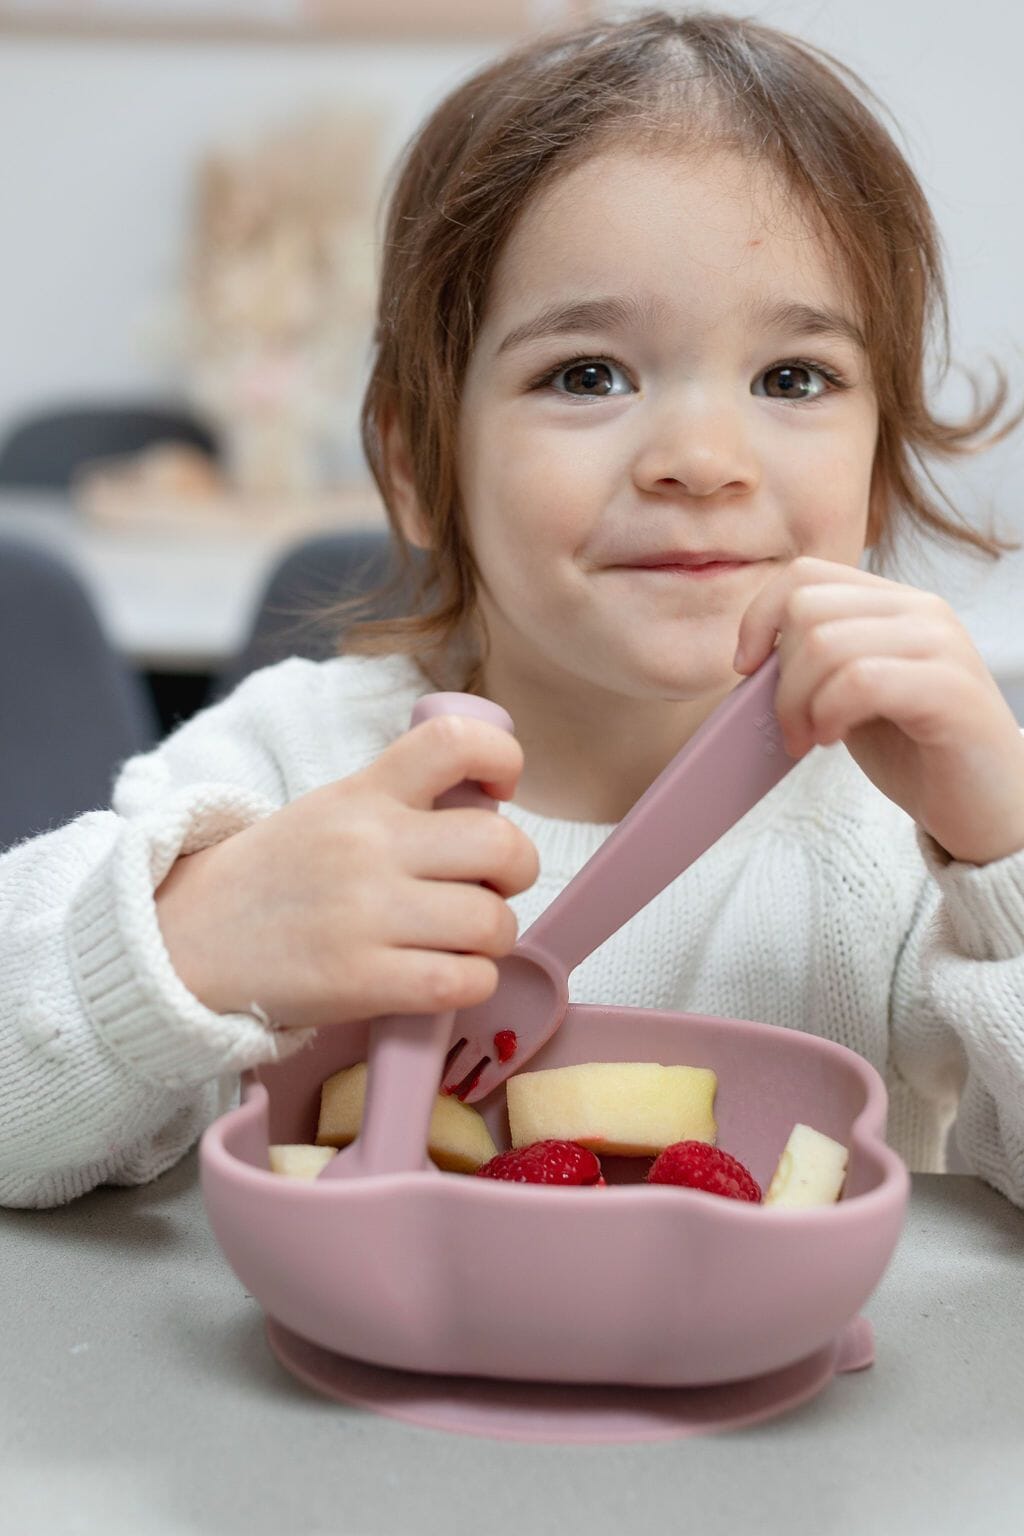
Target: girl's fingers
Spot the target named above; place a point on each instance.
(812, 659)
(925, 698)
(471, 846)
(463, 919)
(846, 639)
(442, 752)
(423, 981)
(815, 604)
(777, 605)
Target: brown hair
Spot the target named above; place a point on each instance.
(554, 102)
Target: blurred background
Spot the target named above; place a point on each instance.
(190, 191)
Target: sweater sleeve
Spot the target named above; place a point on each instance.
(958, 1008)
(109, 1067)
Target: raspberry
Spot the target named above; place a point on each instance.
(506, 1044)
(544, 1162)
(699, 1166)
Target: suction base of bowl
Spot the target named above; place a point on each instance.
(579, 1415)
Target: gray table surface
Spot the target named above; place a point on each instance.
(139, 1396)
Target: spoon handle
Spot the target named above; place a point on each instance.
(724, 769)
(407, 1051)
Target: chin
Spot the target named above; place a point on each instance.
(671, 688)
(698, 678)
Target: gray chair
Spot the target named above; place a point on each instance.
(292, 616)
(1013, 693)
(71, 709)
(42, 452)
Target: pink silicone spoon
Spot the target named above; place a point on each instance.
(724, 769)
(407, 1051)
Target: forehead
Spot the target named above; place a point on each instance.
(695, 229)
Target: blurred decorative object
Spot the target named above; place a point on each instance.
(180, 490)
(167, 474)
(286, 20)
(46, 451)
(279, 302)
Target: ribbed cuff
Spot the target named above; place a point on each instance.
(915, 1129)
(135, 999)
(985, 903)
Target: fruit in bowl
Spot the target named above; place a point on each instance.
(621, 1108)
(810, 1171)
(459, 1140)
(696, 1165)
(545, 1162)
(640, 1284)
(299, 1160)
(630, 1109)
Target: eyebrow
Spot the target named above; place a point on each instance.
(609, 313)
(612, 313)
(806, 320)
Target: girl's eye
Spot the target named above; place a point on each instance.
(795, 381)
(590, 377)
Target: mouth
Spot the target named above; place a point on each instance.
(704, 564)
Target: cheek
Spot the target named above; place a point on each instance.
(828, 512)
(526, 493)
(832, 520)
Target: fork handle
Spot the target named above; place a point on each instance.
(724, 769)
(407, 1051)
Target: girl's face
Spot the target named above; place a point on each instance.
(668, 402)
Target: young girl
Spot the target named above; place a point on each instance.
(648, 383)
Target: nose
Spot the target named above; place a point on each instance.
(698, 448)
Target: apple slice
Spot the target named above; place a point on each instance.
(299, 1160)
(811, 1170)
(459, 1141)
(618, 1108)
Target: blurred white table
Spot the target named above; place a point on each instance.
(172, 601)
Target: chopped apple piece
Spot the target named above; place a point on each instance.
(459, 1141)
(299, 1160)
(619, 1108)
(811, 1170)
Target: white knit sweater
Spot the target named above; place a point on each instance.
(822, 910)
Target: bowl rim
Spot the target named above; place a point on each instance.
(217, 1161)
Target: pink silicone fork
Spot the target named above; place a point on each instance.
(733, 760)
(407, 1051)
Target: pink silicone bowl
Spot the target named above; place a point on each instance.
(635, 1285)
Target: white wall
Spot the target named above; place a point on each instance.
(97, 144)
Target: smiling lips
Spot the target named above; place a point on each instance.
(710, 562)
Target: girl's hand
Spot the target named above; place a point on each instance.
(359, 899)
(891, 672)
